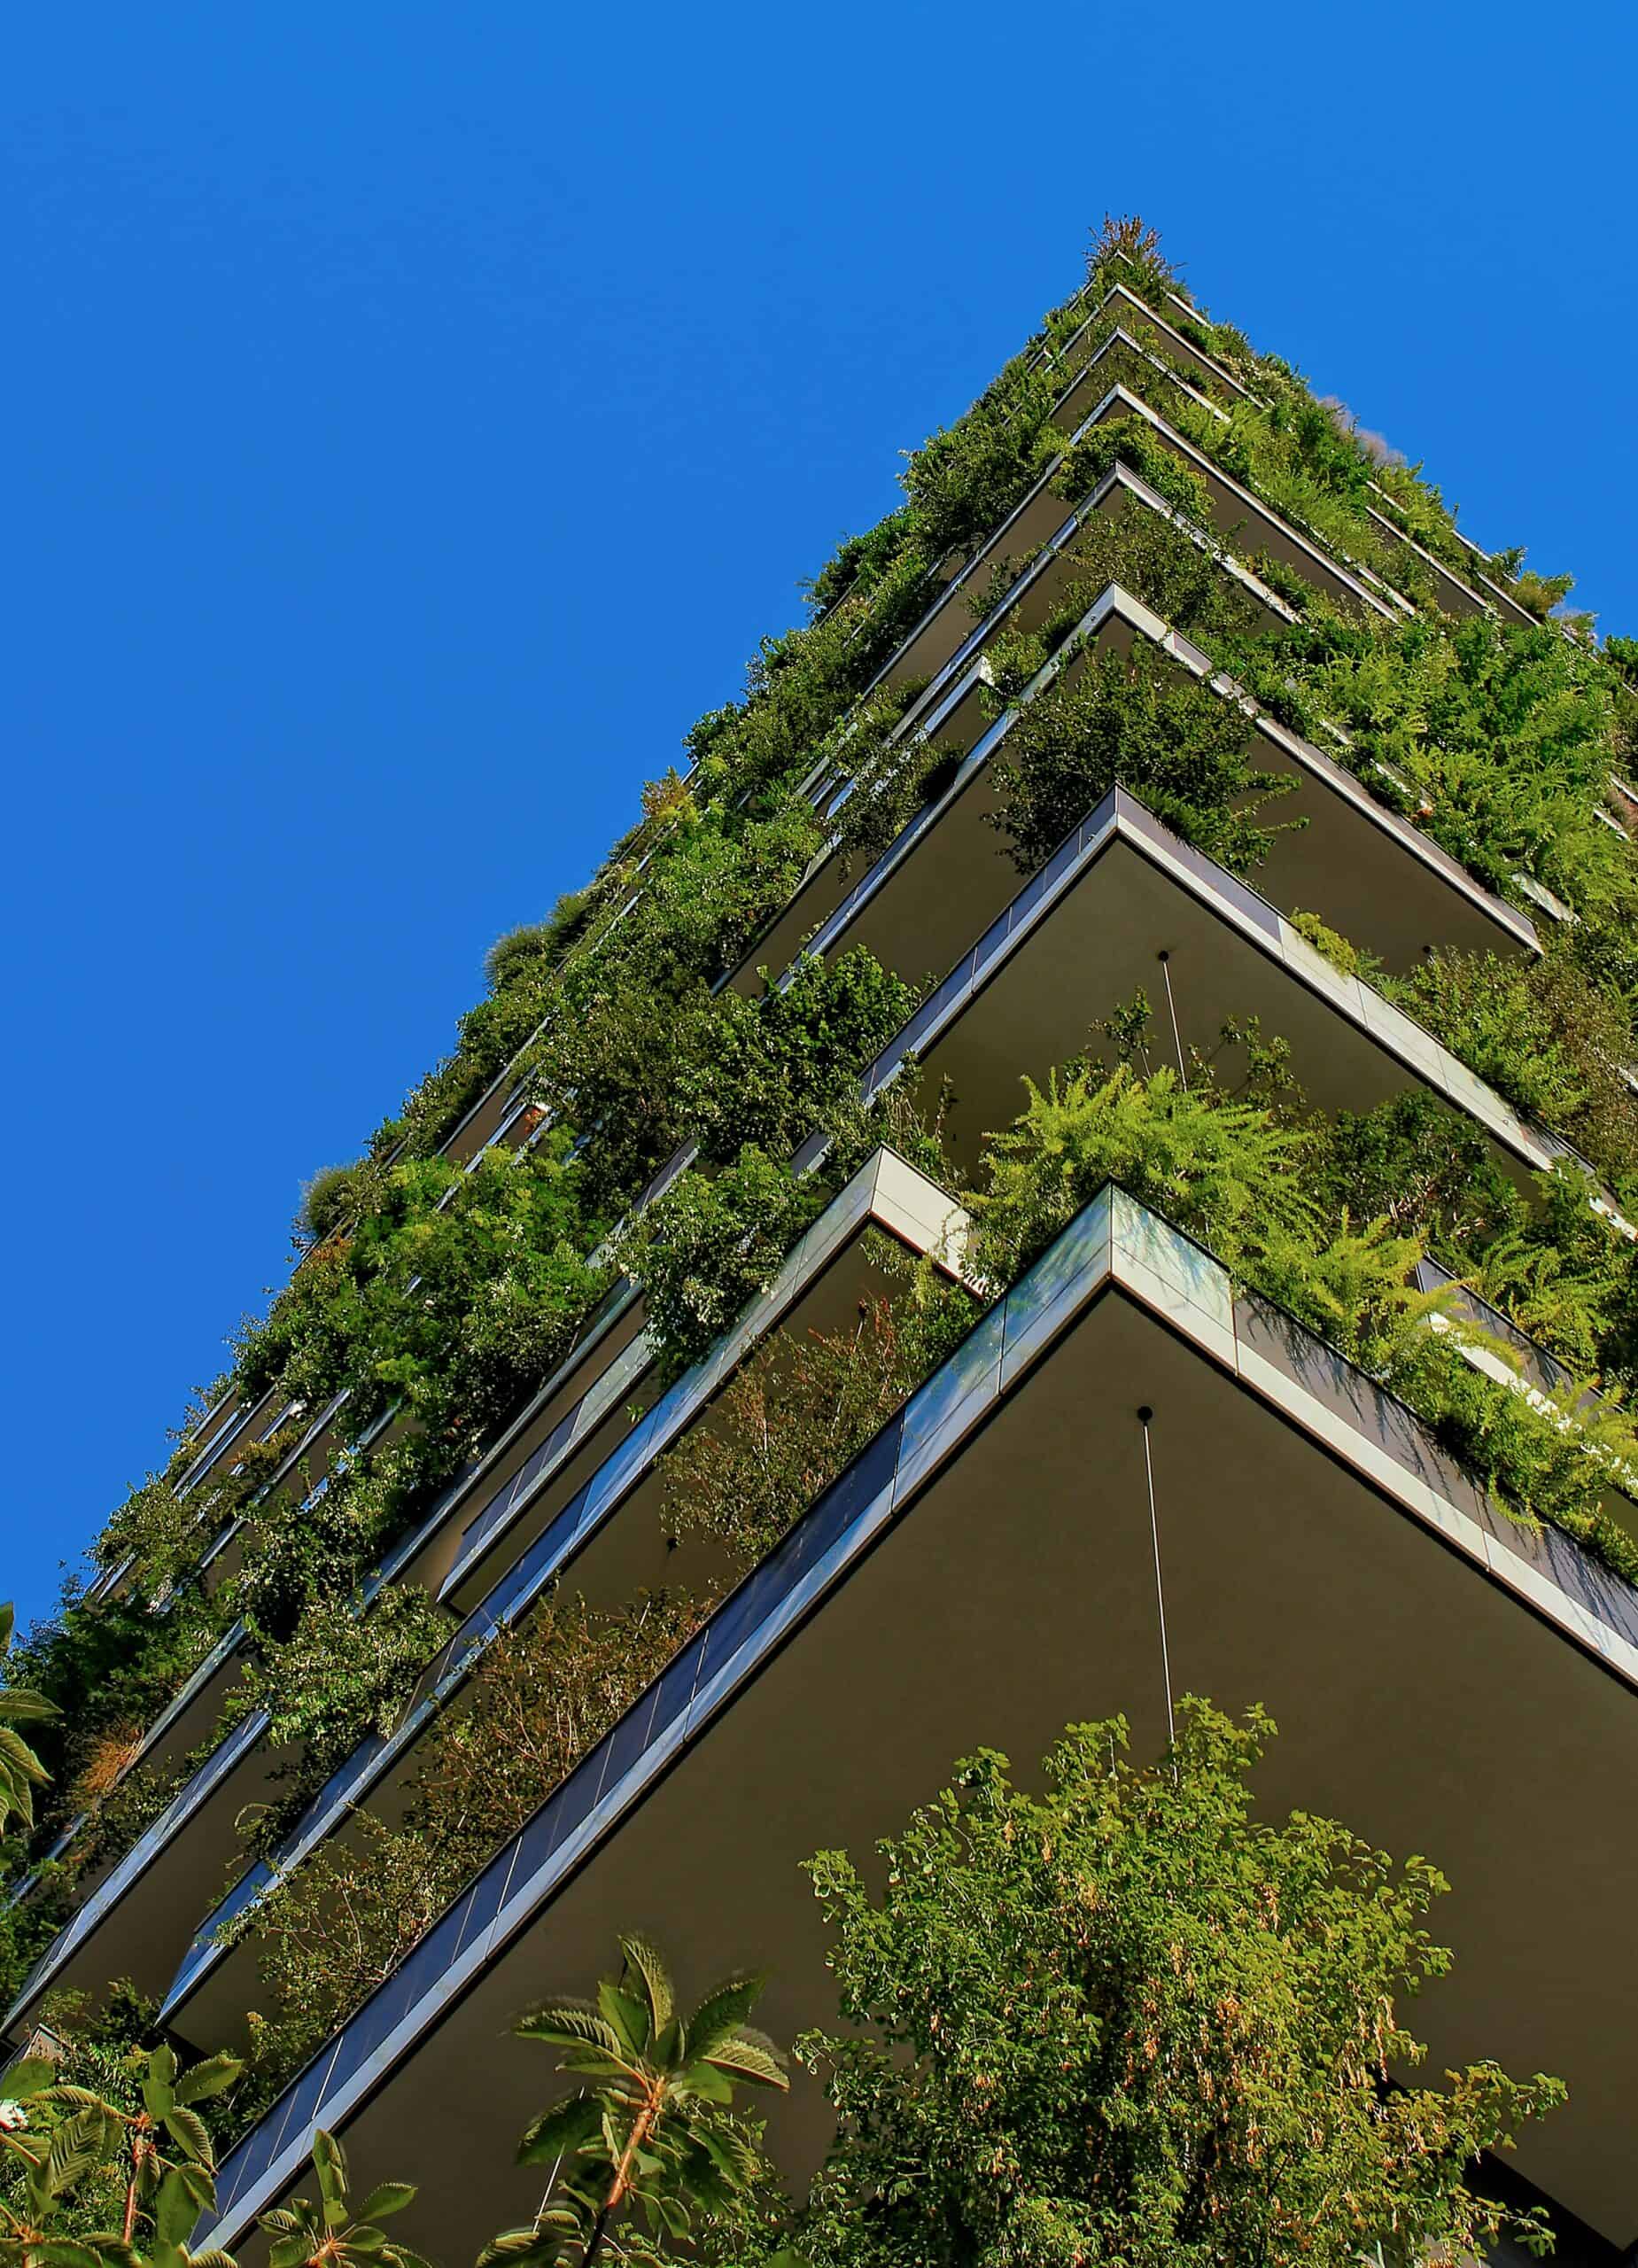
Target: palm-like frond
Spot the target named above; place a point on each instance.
(651, 2137)
(337, 2231)
(21, 1771)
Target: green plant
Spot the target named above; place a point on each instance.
(1335, 947)
(540, 1697)
(1293, 1208)
(649, 2135)
(21, 1771)
(452, 1296)
(774, 1063)
(329, 1200)
(1139, 722)
(1543, 1036)
(347, 1668)
(709, 1244)
(336, 2231)
(1130, 2021)
(794, 1415)
(74, 2151)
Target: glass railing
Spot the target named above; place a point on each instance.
(591, 1506)
(197, 1680)
(694, 1685)
(513, 1495)
(1112, 1239)
(1386, 1023)
(109, 1891)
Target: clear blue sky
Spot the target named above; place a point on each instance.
(415, 414)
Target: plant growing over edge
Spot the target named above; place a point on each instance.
(1129, 2022)
(651, 2134)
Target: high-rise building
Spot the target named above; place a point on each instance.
(1171, 727)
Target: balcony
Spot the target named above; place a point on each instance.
(1133, 314)
(607, 1531)
(1035, 544)
(531, 1521)
(1458, 595)
(1089, 929)
(177, 1860)
(983, 1573)
(1376, 876)
(251, 1422)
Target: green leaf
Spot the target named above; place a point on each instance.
(560, 2131)
(159, 2083)
(627, 2016)
(211, 2077)
(27, 2078)
(174, 2212)
(644, 1956)
(751, 2056)
(720, 2013)
(186, 2128)
(329, 2163)
(198, 2183)
(62, 2252)
(386, 2198)
(400, 2256)
(289, 2252)
(572, 2023)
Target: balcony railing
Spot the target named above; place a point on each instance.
(1114, 1242)
(884, 1190)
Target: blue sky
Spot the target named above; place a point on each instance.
(416, 413)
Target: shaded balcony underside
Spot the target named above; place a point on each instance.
(1087, 934)
(1431, 1683)
(1371, 875)
(833, 1271)
(141, 1923)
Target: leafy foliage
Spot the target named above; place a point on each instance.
(21, 1771)
(1130, 2022)
(1139, 722)
(68, 2151)
(1278, 1195)
(541, 1697)
(798, 1412)
(649, 2135)
(336, 2231)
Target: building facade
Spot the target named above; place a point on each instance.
(1169, 751)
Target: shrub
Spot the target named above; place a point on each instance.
(1090, 2026)
(1139, 722)
(328, 1201)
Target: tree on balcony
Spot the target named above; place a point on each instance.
(1130, 2022)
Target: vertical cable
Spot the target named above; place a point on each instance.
(1143, 1417)
(1171, 1007)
